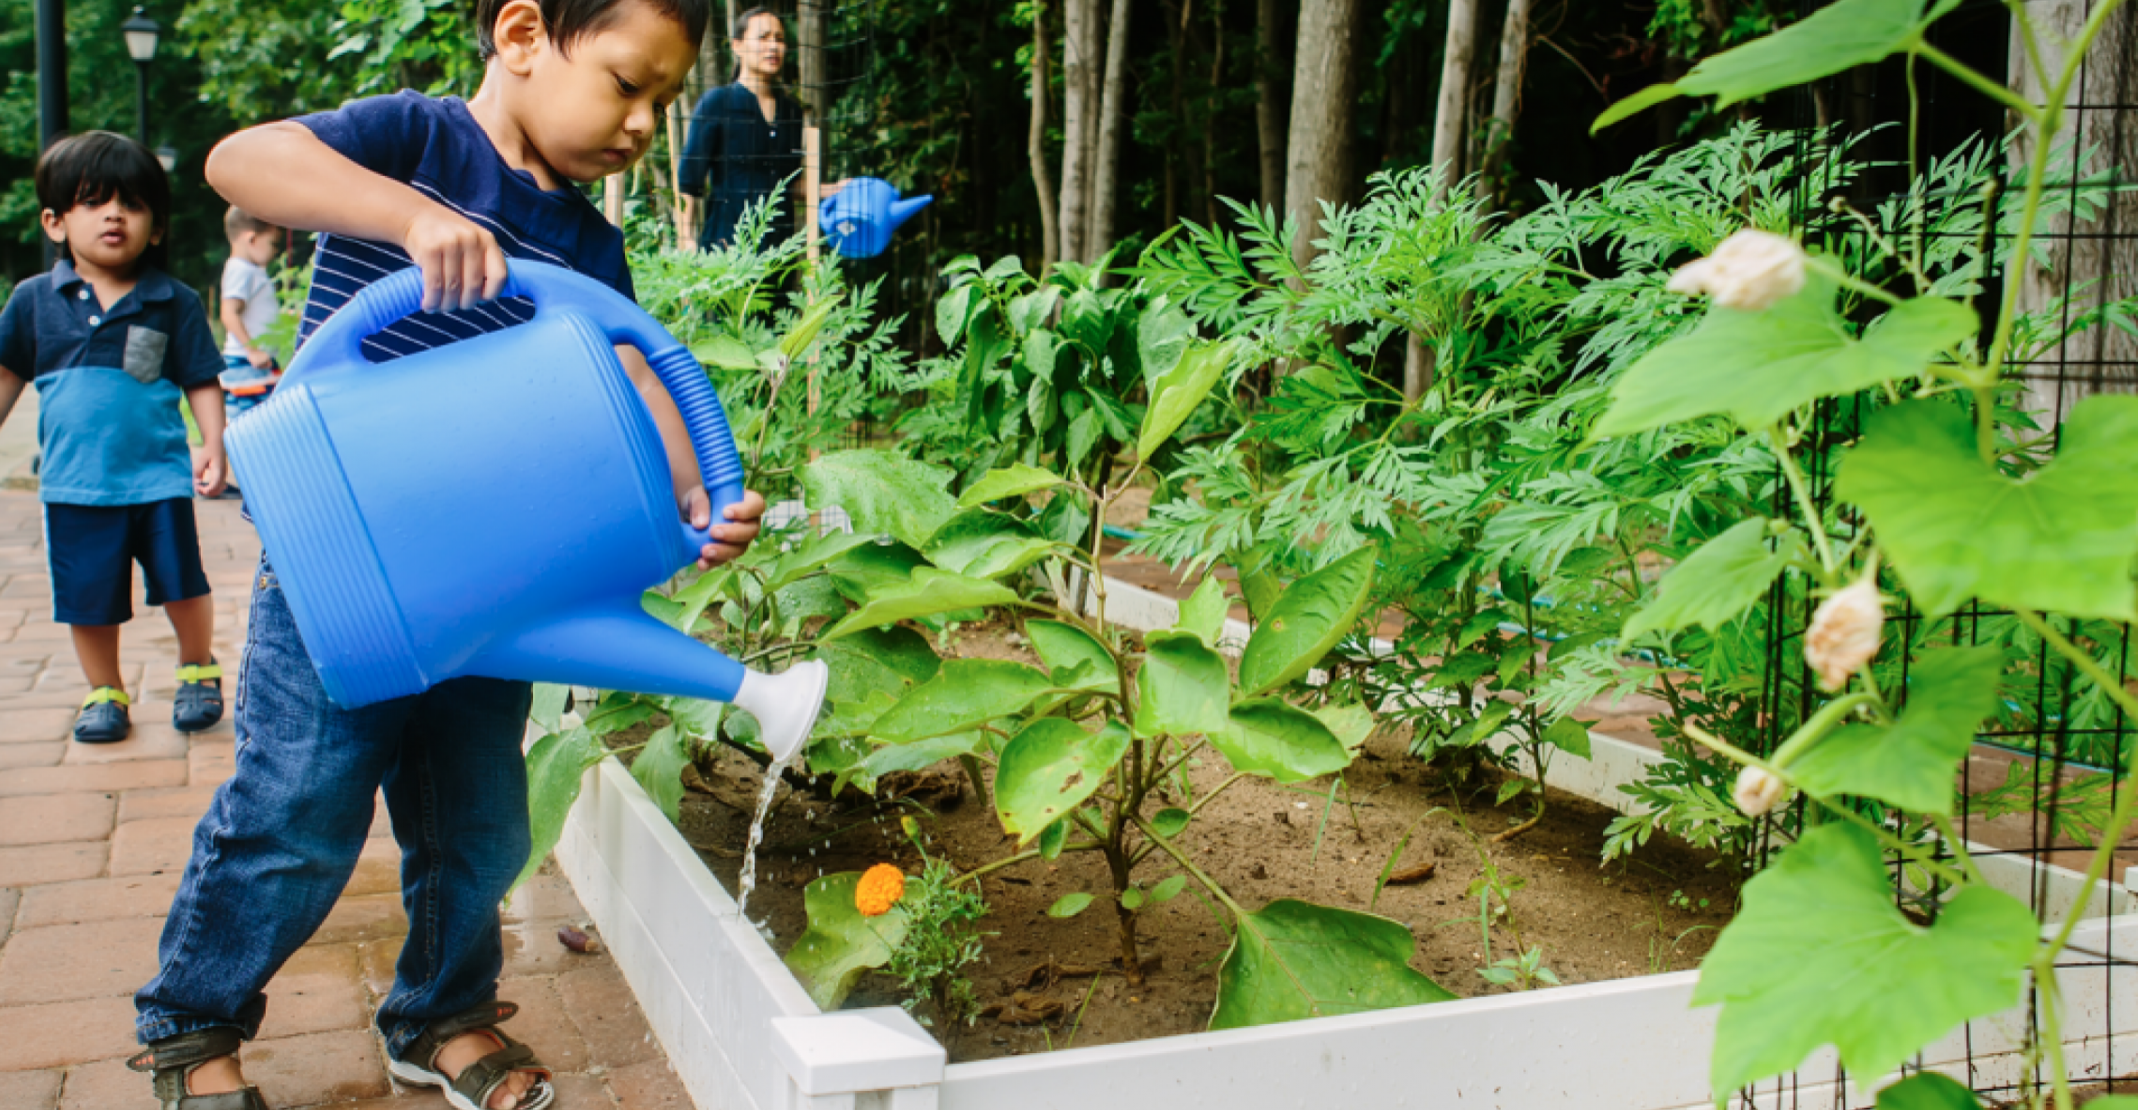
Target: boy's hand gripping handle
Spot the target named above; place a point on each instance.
(385, 302)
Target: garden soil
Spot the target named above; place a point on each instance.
(1050, 983)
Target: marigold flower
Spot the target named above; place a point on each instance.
(1750, 270)
(1757, 791)
(880, 888)
(1844, 633)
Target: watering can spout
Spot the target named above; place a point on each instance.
(903, 210)
(620, 647)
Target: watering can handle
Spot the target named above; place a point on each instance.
(385, 302)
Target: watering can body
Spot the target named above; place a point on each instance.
(495, 506)
(860, 218)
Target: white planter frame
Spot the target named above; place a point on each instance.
(742, 1033)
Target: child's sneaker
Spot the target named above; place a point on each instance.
(199, 704)
(104, 719)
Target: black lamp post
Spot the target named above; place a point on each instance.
(141, 33)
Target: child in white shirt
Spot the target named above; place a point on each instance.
(250, 309)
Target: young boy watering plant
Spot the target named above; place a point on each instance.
(111, 342)
(573, 91)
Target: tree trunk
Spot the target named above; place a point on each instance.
(1324, 84)
(2090, 261)
(1080, 110)
(1507, 87)
(1177, 104)
(1036, 142)
(1417, 367)
(1210, 102)
(1103, 187)
(1451, 116)
(809, 60)
(1269, 127)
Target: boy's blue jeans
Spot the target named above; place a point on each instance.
(282, 836)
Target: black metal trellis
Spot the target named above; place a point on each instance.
(2051, 755)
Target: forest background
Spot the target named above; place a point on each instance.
(1173, 106)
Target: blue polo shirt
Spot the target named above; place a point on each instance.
(435, 146)
(109, 382)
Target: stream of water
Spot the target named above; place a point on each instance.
(748, 882)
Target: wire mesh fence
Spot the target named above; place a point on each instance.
(1940, 186)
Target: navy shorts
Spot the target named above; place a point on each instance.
(91, 549)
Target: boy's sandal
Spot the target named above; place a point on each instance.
(172, 1060)
(104, 719)
(198, 704)
(472, 1088)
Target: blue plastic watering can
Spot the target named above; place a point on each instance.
(496, 506)
(860, 218)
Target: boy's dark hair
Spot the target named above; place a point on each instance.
(91, 167)
(237, 222)
(569, 21)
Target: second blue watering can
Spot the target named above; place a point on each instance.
(860, 218)
(495, 506)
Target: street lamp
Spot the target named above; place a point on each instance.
(141, 33)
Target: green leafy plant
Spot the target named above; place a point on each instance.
(1090, 748)
(1948, 496)
(940, 940)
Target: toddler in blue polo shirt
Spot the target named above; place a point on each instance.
(111, 342)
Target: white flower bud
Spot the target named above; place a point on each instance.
(1757, 791)
(1844, 633)
(1750, 270)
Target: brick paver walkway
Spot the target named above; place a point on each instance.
(92, 840)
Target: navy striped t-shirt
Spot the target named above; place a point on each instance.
(434, 145)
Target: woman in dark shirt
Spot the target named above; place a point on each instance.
(746, 137)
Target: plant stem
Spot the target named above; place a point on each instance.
(1960, 853)
(2052, 1020)
(1967, 75)
(1801, 490)
(1188, 865)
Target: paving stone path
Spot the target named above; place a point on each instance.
(92, 840)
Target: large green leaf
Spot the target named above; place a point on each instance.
(1309, 618)
(967, 693)
(1350, 722)
(1931, 1091)
(2060, 538)
(1757, 367)
(1180, 389)
(840, 945)
(556, 767)
(659, 768)
(1913, 763)
(1821, 955)
(1183, 687)
(1203, 612)
(1718, 582)
(1842, 36)
(1069, 651)
(983, 544)
(547, 706)
(1014, 480)
(884, 493)
(1293, 960)
(816, 551)
(916, 756)
(927, 592)
(725, 352)
(1048, 769)
(1269, 736)
(872, 567)
(889, 659)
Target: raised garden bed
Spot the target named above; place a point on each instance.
(744, 1033)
